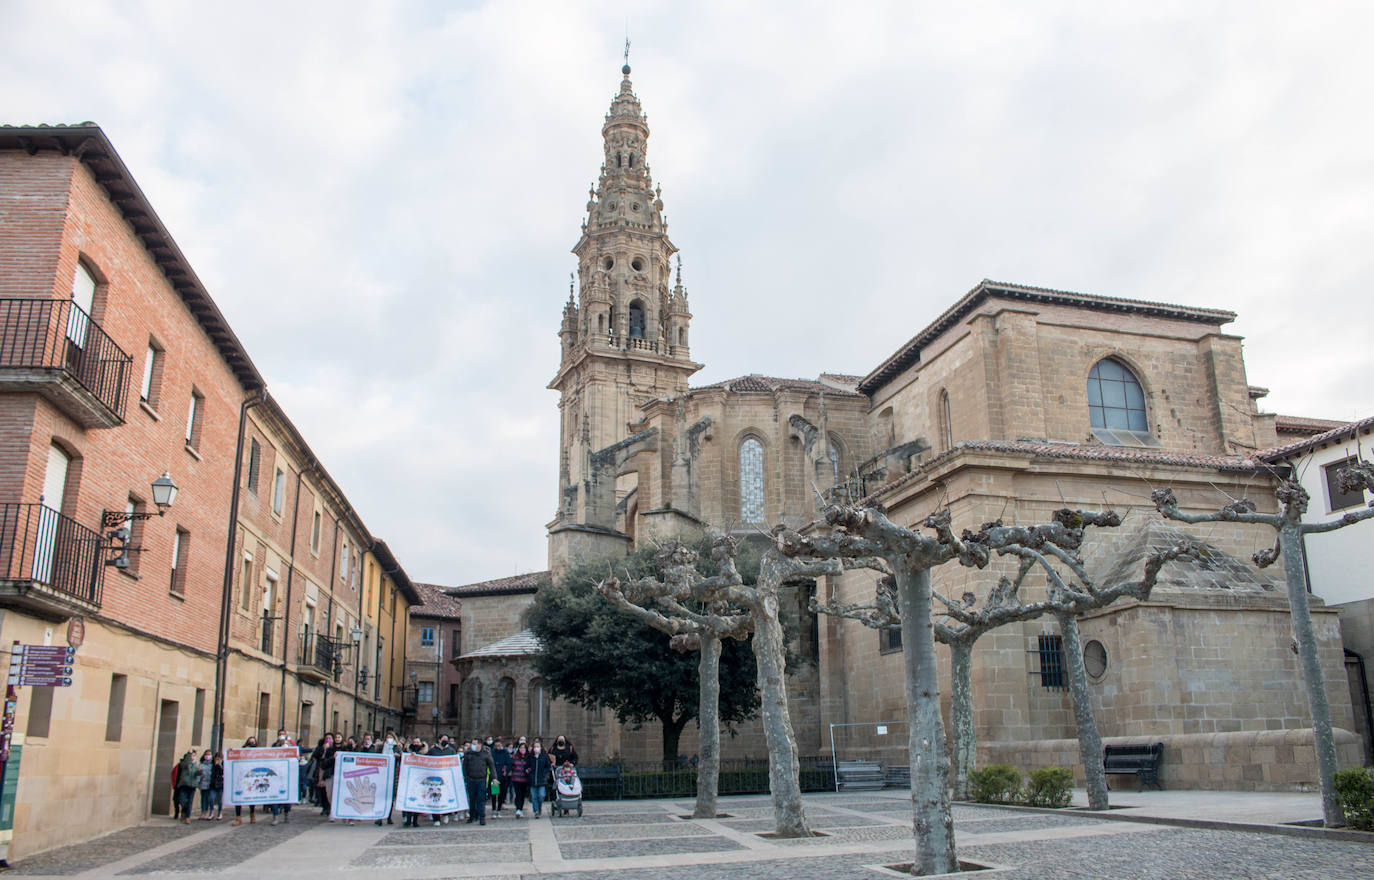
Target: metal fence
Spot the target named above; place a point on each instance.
(56, 334)
(884, 742)
(40, 545)
(654, 779)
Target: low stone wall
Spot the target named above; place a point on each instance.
(1263, 760)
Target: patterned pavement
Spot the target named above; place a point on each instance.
(626, 840)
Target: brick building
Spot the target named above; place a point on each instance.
(233, 611)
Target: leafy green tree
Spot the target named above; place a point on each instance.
(597, 657)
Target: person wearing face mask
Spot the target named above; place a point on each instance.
(250, 743)
(541, 771)
(520, 776)
(389, 746)
(324, 772)
(500, 756)
(444, 747)
(478, 771)
(409, 819)
(563, 752)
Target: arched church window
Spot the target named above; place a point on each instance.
(751, 480)
(1115, 398)
(636, 320)
(946, 422)
(505, 707)
(600, 323)
(681, 336)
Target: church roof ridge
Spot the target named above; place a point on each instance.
(528, 582)
(910, 353)
(757, 382)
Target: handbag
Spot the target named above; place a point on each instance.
(495, 787)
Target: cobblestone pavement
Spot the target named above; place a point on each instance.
(862, 838)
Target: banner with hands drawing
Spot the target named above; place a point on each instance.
(362, 785)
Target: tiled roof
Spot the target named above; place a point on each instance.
(435, 602)
(519, 583)
(1211, 569)
(522, 644)
(1086, 452)
(911, 352)
(89, 143)
(1348, 429)
(756, 382)
(1300, 425)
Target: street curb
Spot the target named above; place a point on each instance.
(1176, 822)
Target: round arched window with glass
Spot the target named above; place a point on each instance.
(1115, 398)
(751, 480)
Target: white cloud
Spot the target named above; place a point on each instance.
(381, 196)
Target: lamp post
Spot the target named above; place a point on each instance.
(113, 521)
(355, 637)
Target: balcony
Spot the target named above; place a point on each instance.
(320, 657)
(267, 633)
(52, 347)
(50, 565)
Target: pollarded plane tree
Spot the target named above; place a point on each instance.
(1293, 500)
(672, 606)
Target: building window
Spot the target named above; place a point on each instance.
(1095, 659)
(305, 722)
(246, 584)
(751, 480)
(1050, 649)
(456, 642)
(636, 320)
(264, 718)
(198, 716)
(254, 464)
(152, 375)
(194, 417)
(425, 694)
(181, 560)
(889, 639)
(343, 561)
(505, 707)
(946, 422)
(40, 711)
(1115, 398)
(135, 506)
(1341, 500)
(278, 491)
(114, 715)
(427, 636)
(316, 526)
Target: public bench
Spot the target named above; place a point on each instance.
(859, 775)
(602, 783)
(1140, 761)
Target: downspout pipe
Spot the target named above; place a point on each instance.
(286, 615)
(227, 589)
(1368, 710)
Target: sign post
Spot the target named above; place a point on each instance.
(30, 666)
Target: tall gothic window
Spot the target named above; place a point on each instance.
(636, 320)
(1115, 398)
(946, 422)
(751, 480)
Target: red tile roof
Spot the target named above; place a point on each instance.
(769, 384)
(519, 583)
(1300, 425)
(435, 602)
(1347, 429)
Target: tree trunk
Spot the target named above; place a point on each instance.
(1089, 740)
(932, 823)
(708, 722)
(672, 735)
(784, 770)
(961, 712)
(1290, 541)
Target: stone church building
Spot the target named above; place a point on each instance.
(1013, 402)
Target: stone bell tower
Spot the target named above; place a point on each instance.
(625, 333)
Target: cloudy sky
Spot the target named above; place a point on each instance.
(381, 196)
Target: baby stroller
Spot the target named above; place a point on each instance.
(567, 791)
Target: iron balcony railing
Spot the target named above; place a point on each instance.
(321, 652)
(38, 545)
(57, 334)
(266, 634)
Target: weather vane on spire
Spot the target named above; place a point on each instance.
(626, 69)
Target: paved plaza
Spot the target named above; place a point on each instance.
(1156, 835)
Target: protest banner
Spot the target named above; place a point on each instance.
(362, 785)
(261, 776)
(431, 784)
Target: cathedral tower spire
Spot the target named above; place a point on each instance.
(625, 339)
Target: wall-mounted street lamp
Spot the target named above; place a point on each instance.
(114, 521)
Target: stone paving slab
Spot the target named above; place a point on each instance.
(460, 834)
(592, 818)
(226, 851)
(611, 832)
(441, 855)
(81, 857)
(614, 849)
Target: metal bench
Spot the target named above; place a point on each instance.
(1140, 761)
(858, 776)
(603, 783)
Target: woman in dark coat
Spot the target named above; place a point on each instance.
(250, 743)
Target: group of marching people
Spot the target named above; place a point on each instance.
(494, 775)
